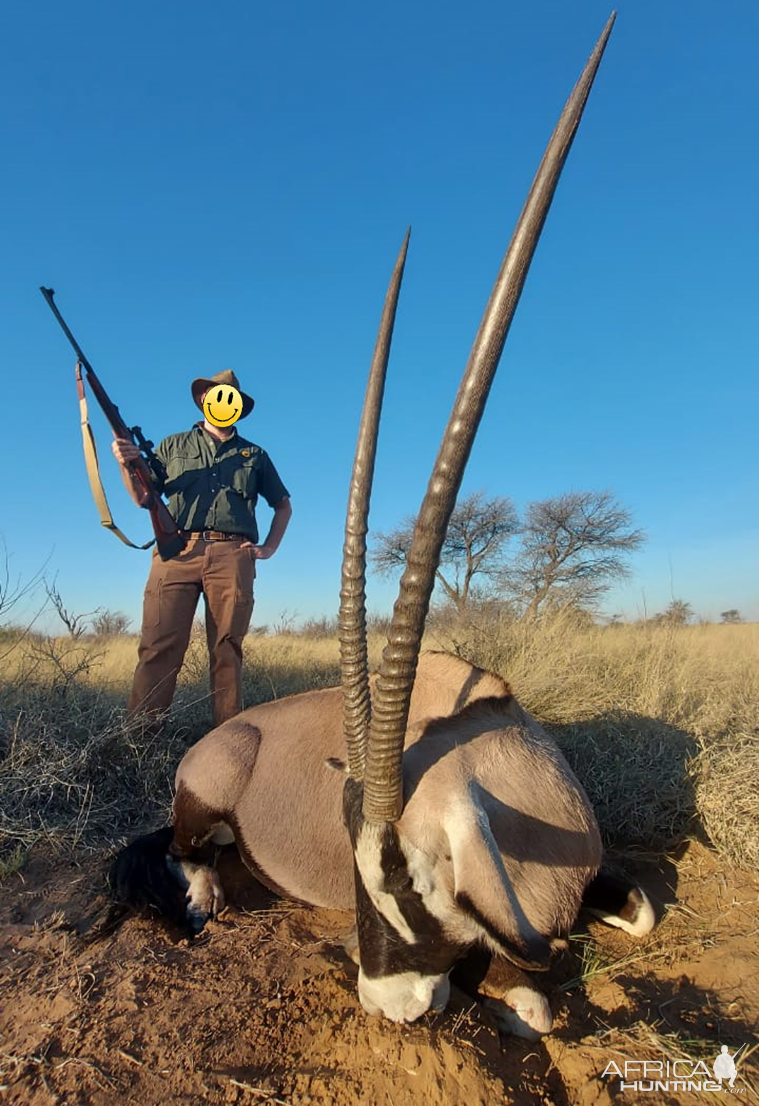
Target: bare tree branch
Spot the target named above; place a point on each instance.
(474, 546)
(12, 591)
(75, 623)
(573, 546)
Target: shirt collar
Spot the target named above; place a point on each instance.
(220, 441)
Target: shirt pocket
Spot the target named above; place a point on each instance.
(182, 469)
(244, 477)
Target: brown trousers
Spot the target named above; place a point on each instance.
(224, 573)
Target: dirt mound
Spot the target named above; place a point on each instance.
(263, 1007)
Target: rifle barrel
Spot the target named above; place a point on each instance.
(169, 538)
(48, 293)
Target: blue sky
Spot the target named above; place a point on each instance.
(211, 186)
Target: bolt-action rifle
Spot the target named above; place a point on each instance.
(169, 539)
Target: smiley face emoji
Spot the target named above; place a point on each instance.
(222, 405)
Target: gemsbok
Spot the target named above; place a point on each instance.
(456, 823)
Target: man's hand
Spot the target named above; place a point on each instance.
(282, 513)
(260, 552)
(124, 451)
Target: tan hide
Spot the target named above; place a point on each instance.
(488, 797)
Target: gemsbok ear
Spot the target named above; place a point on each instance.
(483, 890)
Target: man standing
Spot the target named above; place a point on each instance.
(212, 477)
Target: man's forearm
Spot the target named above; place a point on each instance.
(133, 486)
(125, 452)
(279, 523)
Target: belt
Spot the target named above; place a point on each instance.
(215, 535)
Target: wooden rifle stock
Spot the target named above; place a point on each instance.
(169, 538)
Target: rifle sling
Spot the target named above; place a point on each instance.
(93, 469)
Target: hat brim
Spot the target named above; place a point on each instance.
(200, 386)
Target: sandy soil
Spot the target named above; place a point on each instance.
(263, 1007)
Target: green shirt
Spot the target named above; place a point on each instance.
(214, 485)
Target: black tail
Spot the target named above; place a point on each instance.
(140, 877)
(619, 902)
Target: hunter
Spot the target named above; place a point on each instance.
(212, 477)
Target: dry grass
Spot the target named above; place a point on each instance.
(699, 677)
(727, 781)
(658, 721)
(656, 1043)
(74, 773)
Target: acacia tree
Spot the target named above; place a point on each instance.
(110, 623)
(572, 547)
(678, 613)
(732, 617)
(474, 546)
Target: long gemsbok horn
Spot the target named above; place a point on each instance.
(354, 662)
(381, 772)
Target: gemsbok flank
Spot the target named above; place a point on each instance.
(466, 827)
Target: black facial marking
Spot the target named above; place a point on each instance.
(383, 950)
(219, 396)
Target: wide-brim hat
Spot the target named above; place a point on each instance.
(204, 383)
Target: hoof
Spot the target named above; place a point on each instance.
(636, 917)
(350, 945)
(204, 895)
(617, 901)
(522, 1012)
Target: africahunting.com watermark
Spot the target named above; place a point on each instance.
(656, 1076)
